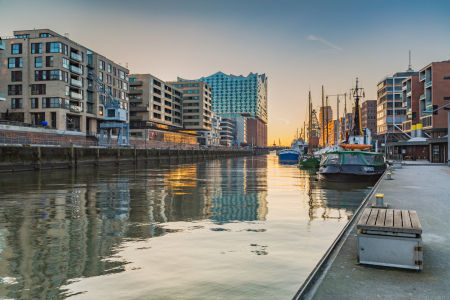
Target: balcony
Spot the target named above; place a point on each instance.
(76, 82)
(404, 88)
(76, 70)
(90, 88)
(422, 78)
(136, 100)
(135, 92)
(76, 109)
(140, 108)
(428, 103)
(422, 97)
(135, 118)
(428, 84)
(76, 96)
(409, 110)
(76, 56)
(408, 94)
(136, 83)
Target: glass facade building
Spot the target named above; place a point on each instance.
(235, 96)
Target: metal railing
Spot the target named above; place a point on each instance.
(42, 141)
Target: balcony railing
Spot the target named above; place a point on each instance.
(428, 84)
(428, 103)
(136, 83)
(76, 96)
(422, 97)
(408, 94)
(422, 78)
(76, 56)
(77, 109)
(76, 82)
(404, 88)
(140, 108)
(135, 118)
(135, 92)
(76, 70)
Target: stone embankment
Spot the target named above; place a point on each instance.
(26, 158)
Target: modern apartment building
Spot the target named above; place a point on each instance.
(197, 111)
(153, 104)
(369, 115)
(390, 111)
(412, 89)
(236, 96)
(435, 94)
(228, 127)
(45, 76)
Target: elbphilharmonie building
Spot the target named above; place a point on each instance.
(239, 96)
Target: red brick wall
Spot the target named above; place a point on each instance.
(256, 132)
(440, 89)
(416, 91)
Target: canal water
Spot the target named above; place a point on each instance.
(239, 228)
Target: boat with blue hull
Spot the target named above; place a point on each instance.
(298, 147)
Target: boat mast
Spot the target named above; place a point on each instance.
(327, 118)
(310, 124)
(357, 92)
(323, 123)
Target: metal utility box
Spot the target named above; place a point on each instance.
(391, 238)
(116, 114)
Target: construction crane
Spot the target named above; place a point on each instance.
(115, 115)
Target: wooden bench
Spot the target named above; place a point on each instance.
(390, 237)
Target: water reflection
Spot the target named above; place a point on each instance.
(61, 225)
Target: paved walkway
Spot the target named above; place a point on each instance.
(425, 189)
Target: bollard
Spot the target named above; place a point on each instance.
(388, 176)
(379, 201)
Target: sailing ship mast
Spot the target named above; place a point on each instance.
(310, 124)
(357, 93)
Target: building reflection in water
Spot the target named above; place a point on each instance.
(61, 225)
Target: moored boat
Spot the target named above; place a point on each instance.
(298, 147)
(352, 160)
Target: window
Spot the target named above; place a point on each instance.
(49, 61)
(45, 35)
(36, 48)
(38, 61)
(65, 63)
(55, 75)
(109, 68)
(100, 75)
(16, 103)
(16, 76)
(38, 89)
(52, 103)
(34, 103)
(15, 62)
(15, 89)
(122, 74)
(101, 64)
(16, 49)
(54, 47)
(22, 36)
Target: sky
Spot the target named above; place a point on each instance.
(299, 45)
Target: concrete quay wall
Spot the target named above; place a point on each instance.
(27, 158)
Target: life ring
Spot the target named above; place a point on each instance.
(355, 146)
